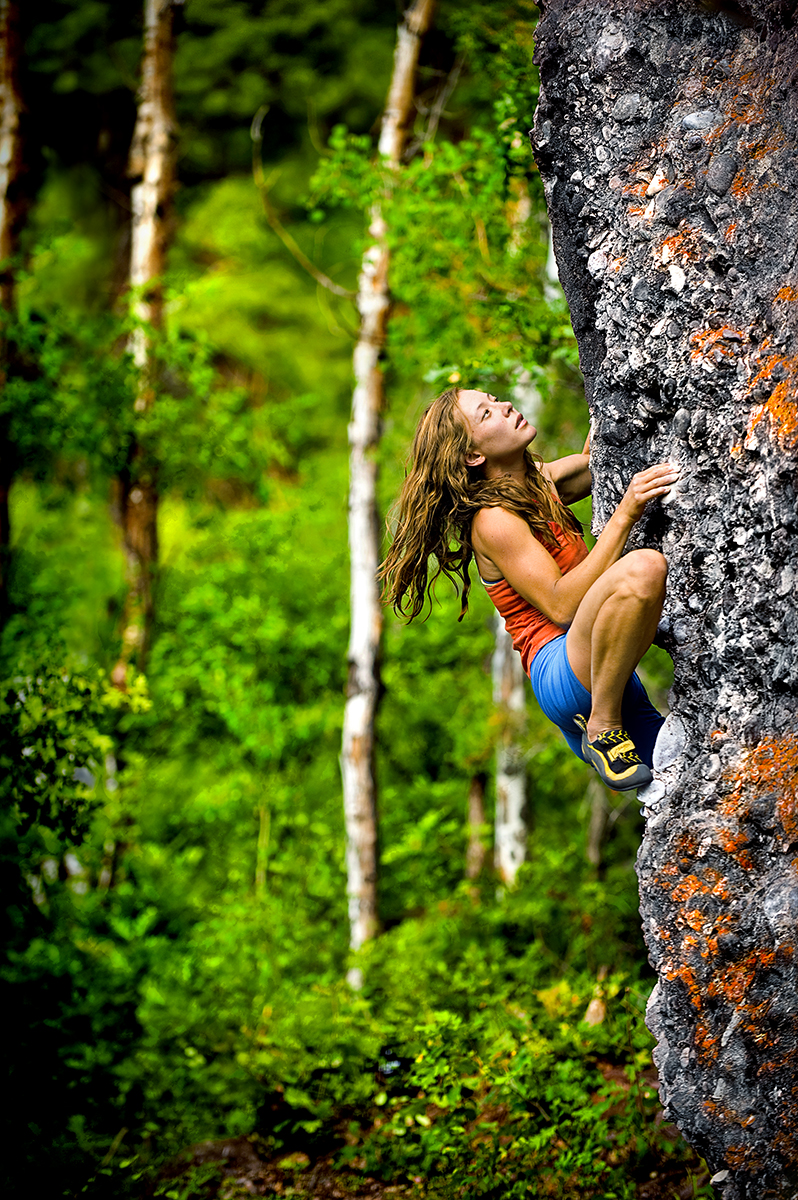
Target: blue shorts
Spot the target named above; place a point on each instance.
(560, 694)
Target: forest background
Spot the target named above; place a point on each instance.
(173, 856)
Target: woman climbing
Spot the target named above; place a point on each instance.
(580, 621)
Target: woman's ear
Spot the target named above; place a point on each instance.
(473, 459)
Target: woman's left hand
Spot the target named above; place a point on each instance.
(651, 484)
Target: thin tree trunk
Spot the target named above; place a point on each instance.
(599, 812)
(11, 207)
(667, 136)
(552, 288)
(357, 754)
(10, 148)
(476, 851)
(151, 167)
(508, 695)
(509, 689)
(262, 855)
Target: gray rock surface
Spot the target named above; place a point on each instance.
(667, 139)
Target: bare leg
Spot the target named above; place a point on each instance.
(613, 627)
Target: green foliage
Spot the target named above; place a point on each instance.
(69, 987)
(306, 64)
(68, 394)
(177, 923)
(51, 749)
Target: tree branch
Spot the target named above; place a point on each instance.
(274, 221)
(436, 110)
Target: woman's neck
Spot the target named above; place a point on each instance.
(516, 469)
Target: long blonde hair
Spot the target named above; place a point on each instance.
(438, 501)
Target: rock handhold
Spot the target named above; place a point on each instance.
(597, 263)
(681, 422)
(641, 291)
(721, 173)
(704, 119)
(677, 277)
(626, 107)
(660, 181)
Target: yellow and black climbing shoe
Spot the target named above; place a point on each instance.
(615, 757)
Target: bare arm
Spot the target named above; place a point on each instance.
(507, 541)
(571, 475)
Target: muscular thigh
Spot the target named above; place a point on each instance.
(580, 633)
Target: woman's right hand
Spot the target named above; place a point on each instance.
(651, 484)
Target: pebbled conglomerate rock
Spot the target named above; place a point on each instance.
(667, 139)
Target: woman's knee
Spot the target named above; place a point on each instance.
(645, 572)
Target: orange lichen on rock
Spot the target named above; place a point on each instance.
(782, 410)
(742, 184)
(695, 919)
(721, 1111)
(743, 1156)
(778, 1066)
(735, 981)
(712, 884)
(688, 887)
(771, 767)
(788, 292)
(684, 245)
(705, 1043)
(725, 341)
(748, 106)
(757, 149)
(784, 1143)
(734, 844)
(684, 972)
(781, 407)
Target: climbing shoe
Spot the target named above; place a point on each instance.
(615, 757)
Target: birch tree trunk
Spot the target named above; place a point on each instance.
(373, 300)
(476, 850)
(509, 696)
(151, 167)
(11, 206)
(666, 138)
(597, 822)
(509, 681)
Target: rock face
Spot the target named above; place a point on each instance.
(667, 139)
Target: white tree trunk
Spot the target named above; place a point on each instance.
(373, 299)
(476, 849)
(599, 812)
(10, 145)
(552, 288)
(151, 166)
(509, 682)
(508, 695)
(10, 214)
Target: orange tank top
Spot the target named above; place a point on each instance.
(527, 626)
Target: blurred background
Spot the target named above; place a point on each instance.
(177, 938)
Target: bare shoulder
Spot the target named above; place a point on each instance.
(495, 530)
(505, 544)
(498, 522)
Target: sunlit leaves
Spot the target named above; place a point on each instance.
(53, 749)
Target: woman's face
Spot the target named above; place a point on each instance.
(499, 433)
